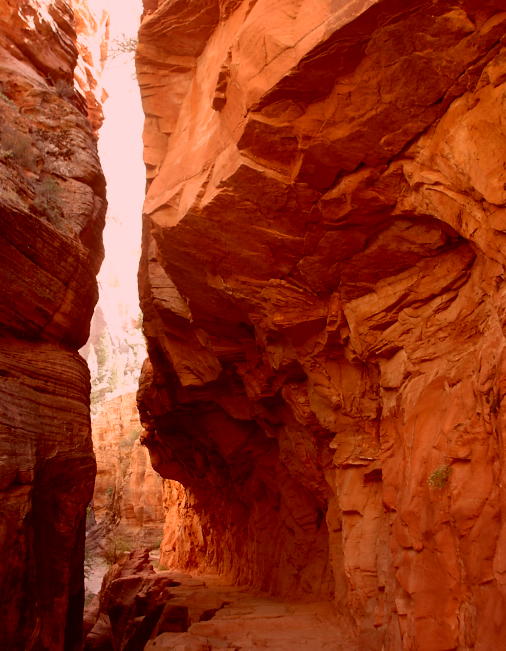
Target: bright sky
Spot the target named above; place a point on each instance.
(120, 148)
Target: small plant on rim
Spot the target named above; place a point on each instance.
(64, 89)
(115, 549)
(7, 99)
(17, 147)
(130, 439)
(439, 477)
(123, 45)
(6, 154)
(46, 201)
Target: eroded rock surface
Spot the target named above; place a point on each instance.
(143, 609)
(52, 210)
(128, 492)
(323, 289)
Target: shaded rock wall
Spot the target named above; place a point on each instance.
(323, 292)
(128, 492)
(52, 206)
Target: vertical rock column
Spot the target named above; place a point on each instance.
(52, 207)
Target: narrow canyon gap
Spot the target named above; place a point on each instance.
(322, 282)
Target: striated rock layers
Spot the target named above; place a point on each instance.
(52, 211)
(128, 492)
(324, 297)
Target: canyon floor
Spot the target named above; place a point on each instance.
(169, 609)
(237, 619)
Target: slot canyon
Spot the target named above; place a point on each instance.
(323, 296)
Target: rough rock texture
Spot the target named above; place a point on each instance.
(142, 609)
(128, 492)
(92, 28)
(323, 289)
(131, 600)
(51, 212)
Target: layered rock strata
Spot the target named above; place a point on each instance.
(323, 291)
(52, 210)
(128, 492)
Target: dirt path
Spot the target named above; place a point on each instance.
(225, 617)
(162, 610)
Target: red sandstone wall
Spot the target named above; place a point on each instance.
(323, 292)
(52, 206)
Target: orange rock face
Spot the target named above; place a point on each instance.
(92, 29)
(128, 492)
(323, 289)
(52, 209)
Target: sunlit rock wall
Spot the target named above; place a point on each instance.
(323, 293)
(128, 492)
(52, 206)
(114, 354)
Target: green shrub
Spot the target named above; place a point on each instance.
(88, 565)
(46, 200)
(156, 544)
(16, 146)
(103, 351)
(7, 100)
(123, 45)
(131, 437)
(48, 187)
(64, 89)
(439, 477)
(115, 549)
(113, 380)
(138, 322)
